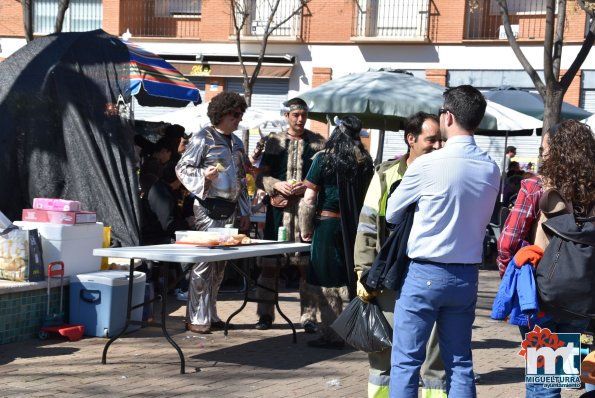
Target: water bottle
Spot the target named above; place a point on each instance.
(282, 234)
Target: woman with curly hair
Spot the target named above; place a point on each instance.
(566, 183)
(336, 187)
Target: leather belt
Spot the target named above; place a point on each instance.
(328, 213)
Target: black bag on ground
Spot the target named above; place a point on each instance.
(363, 326)
(218, 208)
(565, 276)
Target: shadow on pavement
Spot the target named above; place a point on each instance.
(495, 343)
(281, 353)
(33, 348)
(502, 376)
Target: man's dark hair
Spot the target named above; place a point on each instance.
(223, 104)
(414, 123)
(514, 165)
(510, 148)
(295, 101)
(174, 131)
(467, 105)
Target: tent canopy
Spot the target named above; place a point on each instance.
(59, 134)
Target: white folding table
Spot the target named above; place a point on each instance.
(184, 253)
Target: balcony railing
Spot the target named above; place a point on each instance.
(161, 18)
(259, 12)
(398, 19)
(483, 20)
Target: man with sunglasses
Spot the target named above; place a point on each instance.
(455, 191)
(285, 162)
(212, 168)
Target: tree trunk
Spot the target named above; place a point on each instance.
(27, 6)
(552, 107)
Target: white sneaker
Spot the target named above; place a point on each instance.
(181, 296)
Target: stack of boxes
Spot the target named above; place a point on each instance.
(68, 234)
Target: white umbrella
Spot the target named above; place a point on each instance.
(508, 119)
(194, 118)
(590, 121)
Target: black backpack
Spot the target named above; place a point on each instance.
(565, 276)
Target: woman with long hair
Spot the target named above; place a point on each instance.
(336, 187)
(566, 182)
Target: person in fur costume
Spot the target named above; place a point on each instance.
(285, 162)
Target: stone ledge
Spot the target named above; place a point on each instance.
(7, 286)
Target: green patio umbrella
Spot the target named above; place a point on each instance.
(384, 100)
(381, 99)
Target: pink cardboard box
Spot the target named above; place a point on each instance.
(56, 204)
(59, 217)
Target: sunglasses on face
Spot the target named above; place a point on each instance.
(442, 110)
(237, 115)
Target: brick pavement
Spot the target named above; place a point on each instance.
(246, 363)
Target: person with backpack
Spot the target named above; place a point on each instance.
(566, 185)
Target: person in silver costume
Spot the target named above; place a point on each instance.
(212, 168)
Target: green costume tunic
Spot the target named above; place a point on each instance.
(327, 259)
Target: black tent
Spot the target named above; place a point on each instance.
(59, 136)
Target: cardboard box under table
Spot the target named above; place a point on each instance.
(98, 301)
(71, 244)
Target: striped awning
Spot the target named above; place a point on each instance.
(158, 77)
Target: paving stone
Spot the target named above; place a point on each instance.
(248, 363)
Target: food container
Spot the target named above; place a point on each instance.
(224, 231)
(197, 237)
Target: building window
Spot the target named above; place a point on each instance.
(392, 18)
(260, 11)
(521, 7)
(81, 16)
(181, 8)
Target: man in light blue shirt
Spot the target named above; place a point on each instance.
(455, 190)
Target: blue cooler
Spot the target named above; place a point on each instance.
(98, 301)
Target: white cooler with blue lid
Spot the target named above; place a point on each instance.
(98, 301)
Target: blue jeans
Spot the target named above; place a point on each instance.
(441, 293)
(555, 326)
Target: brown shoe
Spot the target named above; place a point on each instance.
(202, 329)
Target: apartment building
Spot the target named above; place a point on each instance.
(450, 42)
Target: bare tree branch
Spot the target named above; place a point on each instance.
(539, 85)
(244, 13)
(548, 43)
(241, 10)
(559, 39)
(269, 30)
(585, 48)
(62, 7)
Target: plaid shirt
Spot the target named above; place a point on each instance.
(520, 220)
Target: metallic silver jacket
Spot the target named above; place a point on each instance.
(209, 148)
